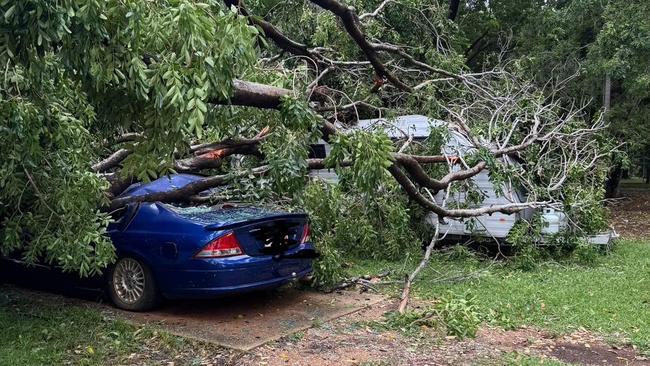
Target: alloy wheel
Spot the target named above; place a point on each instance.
(129, 280)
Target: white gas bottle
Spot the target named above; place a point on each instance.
(550, 221)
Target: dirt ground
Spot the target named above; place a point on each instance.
(630, 214)
(352, 341)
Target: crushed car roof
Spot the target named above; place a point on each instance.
(163, 184)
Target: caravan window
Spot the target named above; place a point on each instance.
(317, 151)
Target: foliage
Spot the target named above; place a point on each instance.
(329, 268)
(621, 50)
(348, 224)
(526, 235)
(410, 322)
(460, 253)
(49, 198)
(370, 154)
(457, 314)
(589, 37)
(77, 72)
(519, 359)
(586, 254)
(287, 150)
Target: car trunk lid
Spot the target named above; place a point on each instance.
(259, 231)
(272, 236)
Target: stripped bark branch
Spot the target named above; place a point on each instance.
(378, 10)
(413, 192)
(406, 291)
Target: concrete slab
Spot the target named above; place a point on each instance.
(241, 322)
(246, 322)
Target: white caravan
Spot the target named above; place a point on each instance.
(495, 226)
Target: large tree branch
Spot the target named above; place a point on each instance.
(453, 9)
(418, 174)
(279, 39)
(113, 160)
(413, 192)
(352, 25)
(200, 149)
(211, 155)
(475, 43)
(214, 158)
(181, 194)
(185, 193)
(475, 48)
(264, 96)
(250, 94)
(126, 137)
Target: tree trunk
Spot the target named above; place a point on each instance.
(625, 174)
(613, 181)
(453, 9)
(607, 93)
(616, 172)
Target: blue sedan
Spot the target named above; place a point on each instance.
(169, 251)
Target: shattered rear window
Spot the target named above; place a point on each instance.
(211, 215)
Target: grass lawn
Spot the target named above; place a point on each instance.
(38, 332)
(611, 296)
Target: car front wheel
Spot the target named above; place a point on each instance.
(131, 285)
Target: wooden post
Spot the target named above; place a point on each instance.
(607, 93)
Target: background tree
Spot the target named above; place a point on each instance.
(596, 39)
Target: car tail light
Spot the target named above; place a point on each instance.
(223, 246)
(306, 234)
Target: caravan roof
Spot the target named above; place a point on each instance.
(417, 126)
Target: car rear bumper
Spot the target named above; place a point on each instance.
(204, 278)
(220, 288)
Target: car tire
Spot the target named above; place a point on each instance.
(131, 285)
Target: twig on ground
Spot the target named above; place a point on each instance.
(409, 279)
(364, 281)
(424, 319)
(427, 254)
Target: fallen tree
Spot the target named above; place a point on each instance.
(93, 101)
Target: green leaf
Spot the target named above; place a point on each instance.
(10, 12)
